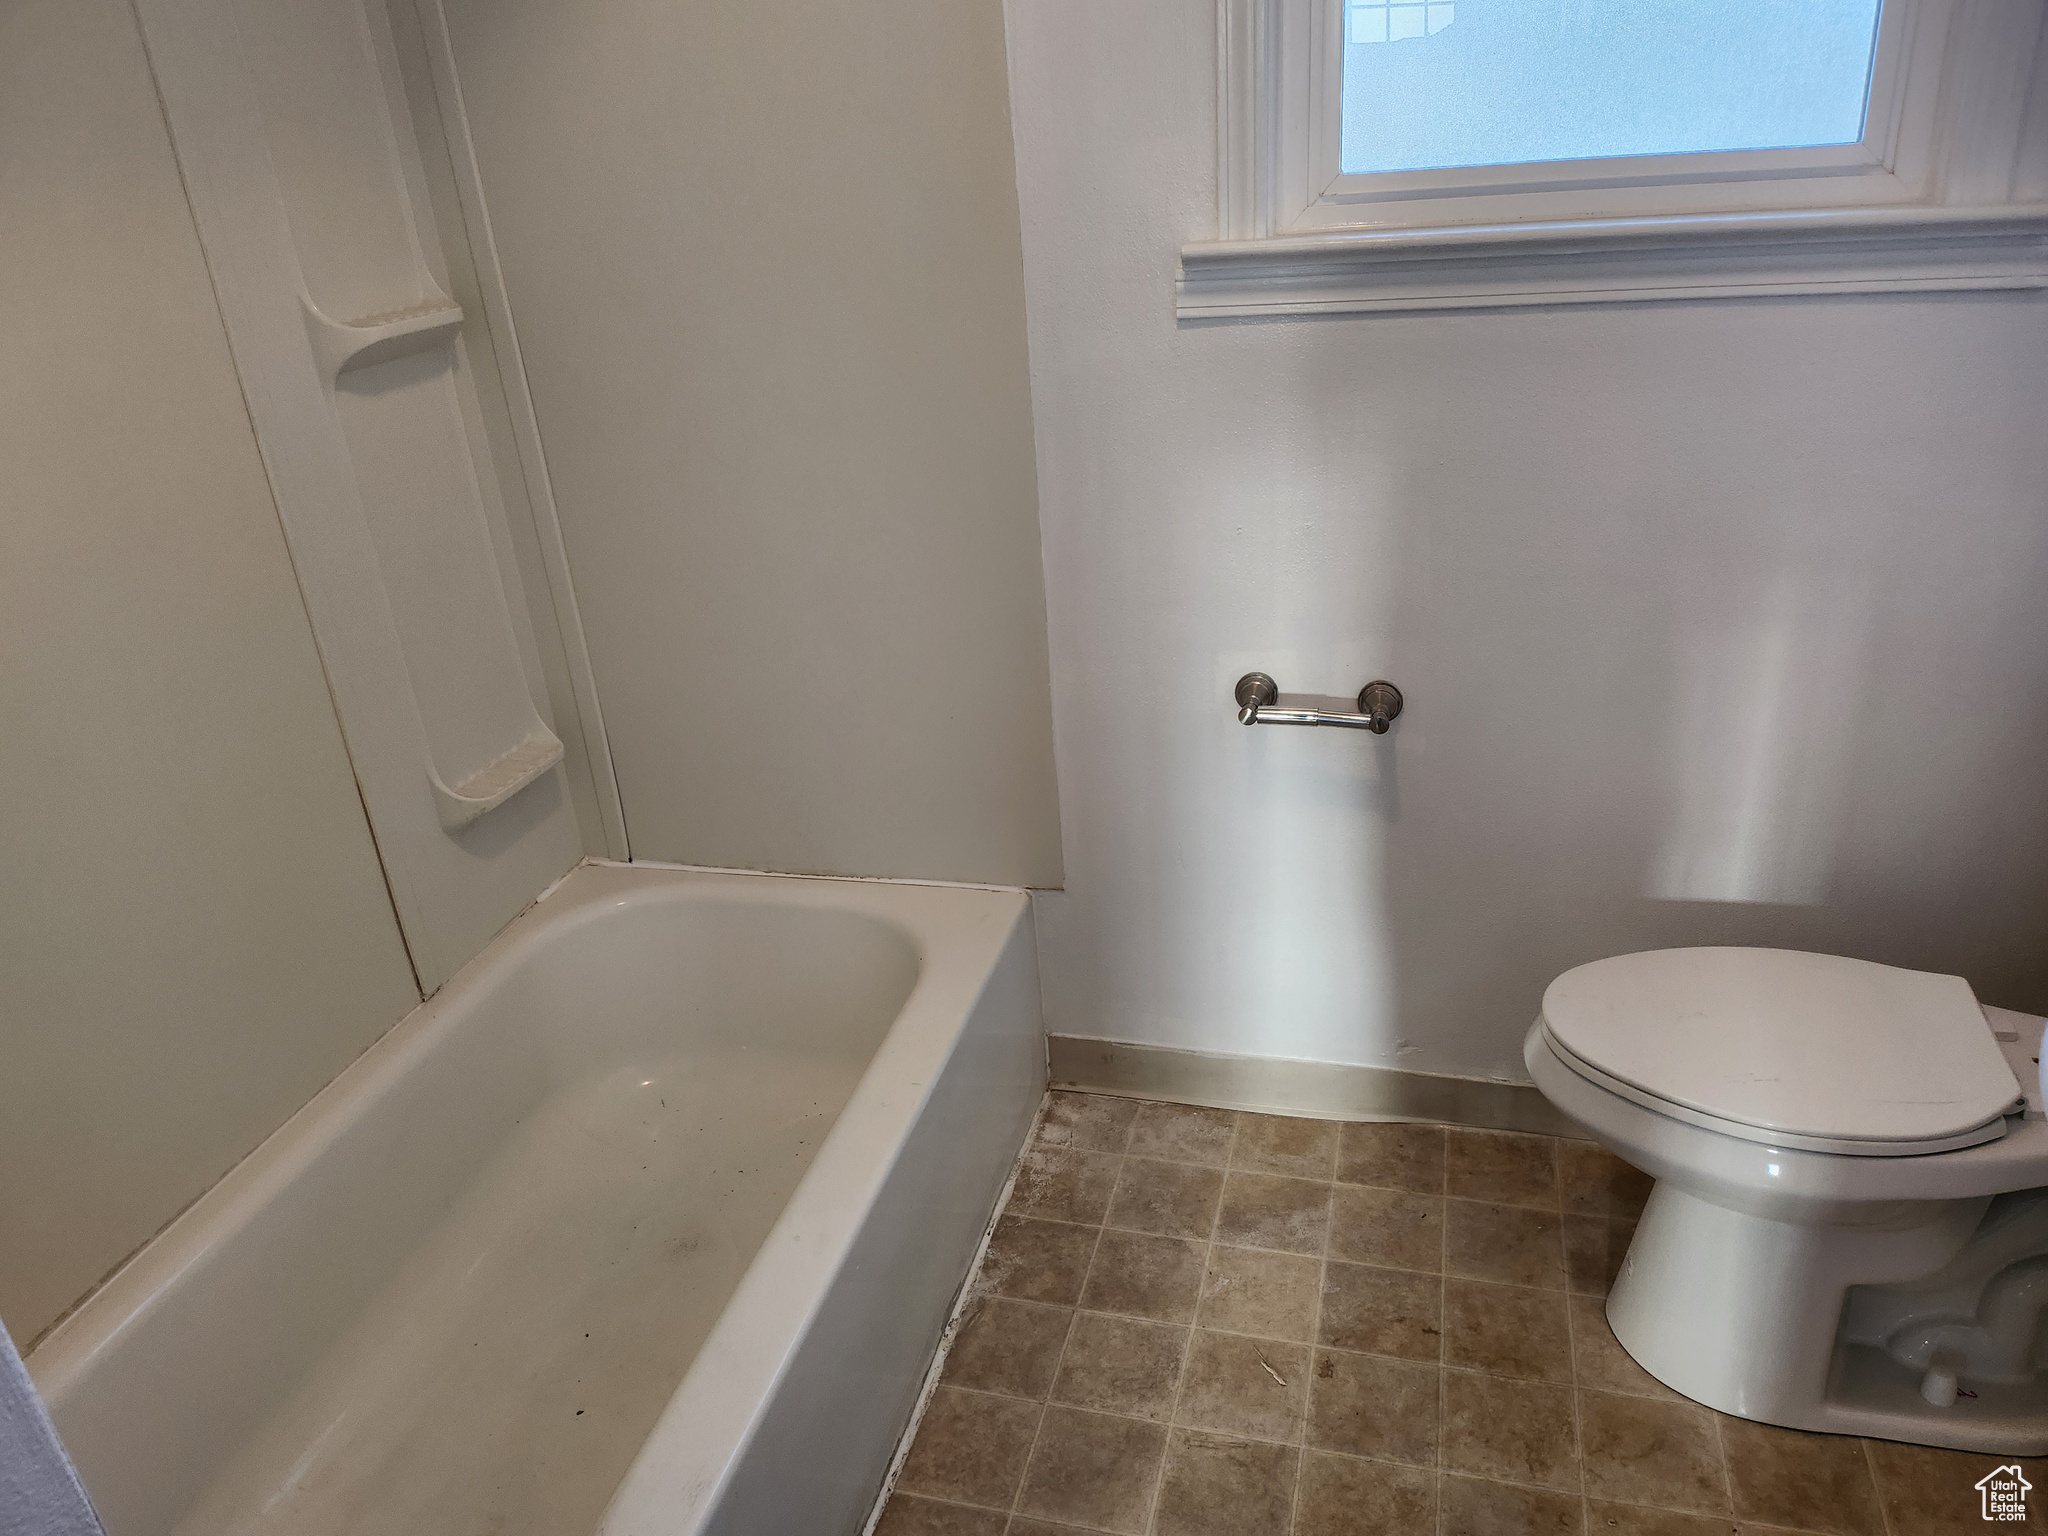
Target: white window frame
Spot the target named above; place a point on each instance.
(1923, 202)
(1313, 194)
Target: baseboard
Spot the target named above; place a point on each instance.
(1321, 1090)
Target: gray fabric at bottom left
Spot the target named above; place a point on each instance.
(40, 1494)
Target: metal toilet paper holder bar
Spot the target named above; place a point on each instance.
(1258, 703)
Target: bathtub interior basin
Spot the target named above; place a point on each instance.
(463, 1290)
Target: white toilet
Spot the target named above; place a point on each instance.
(1849, 1230)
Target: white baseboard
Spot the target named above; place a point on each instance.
(1322, 1090)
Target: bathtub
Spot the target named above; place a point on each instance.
(648, 1222)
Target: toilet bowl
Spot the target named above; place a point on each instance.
(1849, 1229)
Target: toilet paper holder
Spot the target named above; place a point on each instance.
(1258, 703)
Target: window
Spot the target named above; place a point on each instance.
(1524, 81)
(1424, 153)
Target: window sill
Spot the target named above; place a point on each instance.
(1618, 261)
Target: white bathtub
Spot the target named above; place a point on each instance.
(648, 1222)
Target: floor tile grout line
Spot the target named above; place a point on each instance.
(1024, 1476)
(1884, 1515)
(1568, 1212)
(962, 1301)
(1296, 1253)
(1332, 1349)
(1274, 1338)
(1236, 1434)
(1727, 1471)
(1187, 1348)
(1315, 1330)
(1556, 1204)
(1380, 1461)
(940, 1498)
(1571, 1340)
(1443, 1303)
(1557, 1145)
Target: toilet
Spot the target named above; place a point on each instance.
(1849, 1229)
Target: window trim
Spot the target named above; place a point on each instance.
(1923, 203)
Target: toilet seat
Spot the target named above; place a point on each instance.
(1817, 1052)
(1766, 1136)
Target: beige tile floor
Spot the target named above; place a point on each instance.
(1192, 1322)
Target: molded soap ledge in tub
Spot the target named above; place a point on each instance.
(649, 1223)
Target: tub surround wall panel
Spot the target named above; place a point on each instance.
(195, 934)
(765, 266)
(1717, 623)
(294, 137)
(529, 536)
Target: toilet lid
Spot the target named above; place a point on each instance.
(1780, 1046)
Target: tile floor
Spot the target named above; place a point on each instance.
(1192, 1322)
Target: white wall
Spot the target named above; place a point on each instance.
(194, 932)
(764, 265)
(1691, 603)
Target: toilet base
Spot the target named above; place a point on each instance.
(1741, 1313)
